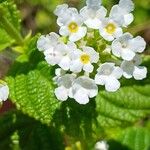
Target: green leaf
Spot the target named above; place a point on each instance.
(33, 93)
(9, 12)
(19, 132)
(134, 138)
(6, 41)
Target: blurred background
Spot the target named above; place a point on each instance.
(37, 16)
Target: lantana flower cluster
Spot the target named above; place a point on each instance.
(92, 50)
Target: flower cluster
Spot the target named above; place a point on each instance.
(92, 49)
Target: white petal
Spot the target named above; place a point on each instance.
(64, 31)
(128, 5)
(117, 14)
(112, 84)
(76, 66)
(118, 33)
(137, 60)
(140, 72)
(87, 84)
(94, 4)
(100, 79)
(127, 68)
(60, 9)
(101, 13)
(93, 23)
(88, 68)
(101, 145)
(77, 36)
(127, 54)
(106, 36)
(61, 93)
(52, 57)
(4, 92)
(128, 19)
(117, 72)
(137, 44)
(81, 96)
(65, 63)
(116, 48)
(94, 56)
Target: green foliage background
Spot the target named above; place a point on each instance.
(40, 121)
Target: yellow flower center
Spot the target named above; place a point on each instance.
(110, 28)
(85, 59)
(73, 27)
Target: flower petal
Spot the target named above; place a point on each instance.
(139, 72)
(64, 31)
(128, 19)
(88, 67)
(128, 68)
(100, 79)
(77, 36)
(65, 63)
(81, 96)
(76, 66)
(112, 84)
(61, 93)
(127, 54)
(137, 44)
(117, 72)
(127, 5)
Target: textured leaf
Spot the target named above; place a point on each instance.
(135, 138)
(11, 13)
(33, 93)
(13, 16)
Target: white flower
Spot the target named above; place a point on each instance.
(93, 13)
(108, 75)
(101, 145)
(58, 55)
(64, 89)
(126, 46)
(83, 59)
(71, 24)
(110, 30)
(84, 88)
(59, 73)
(121, 13)
(48, 41)
(132, 69)
(59, 11)
(4, 92)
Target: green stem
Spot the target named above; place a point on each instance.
(11, 30)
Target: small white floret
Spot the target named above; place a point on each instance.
(132, 69)
(126, 46)
(110, 30)
(64, 89)
(108, 75)
(121, 13)
(84, 88)
(93, 14)
(83, 59)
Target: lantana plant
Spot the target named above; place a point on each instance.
(91, 50)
